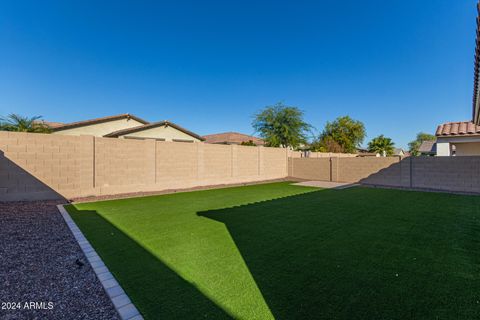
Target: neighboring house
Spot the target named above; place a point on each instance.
(458, 138)
(463, 138)
(232, 138)
(365, 153)
(127, 126)
(51, 125)
(100, 126)
(428, 148)
(163, 130)
(400, 152)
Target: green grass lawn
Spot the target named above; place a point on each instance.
(287, 252)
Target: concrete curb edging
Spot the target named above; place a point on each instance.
(122, 303)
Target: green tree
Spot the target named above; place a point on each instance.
(415, 144)
(327, 144)
(248, 143)
(381, 144)
(344, 133)
(15, 122)
(282, 126)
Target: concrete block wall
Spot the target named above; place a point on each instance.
(358, 169)
(460, 174)
(456, 174)
(38, 166)
(346, 169)
(300, 154)
(273, 162)
(42, 166)
(310, 169)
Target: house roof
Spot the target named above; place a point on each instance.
(231, 138)
(97, 120)
(476, 77)
(152, 125)
(398, 150)
(463, 128)
(466, 128)
(428, 147)
(50, 124)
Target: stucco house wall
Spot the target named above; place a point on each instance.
(100, 129)
(467, 149)
(463, 146)
(167, 133)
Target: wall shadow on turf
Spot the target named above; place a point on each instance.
(277, 250)
(157, 290)
(345, 254)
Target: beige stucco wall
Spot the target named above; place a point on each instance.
(464, 145)
(467, 149)
(45, 166)
(101, 129)
(168, 133)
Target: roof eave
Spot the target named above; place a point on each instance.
(123, 132)
(97, 121)
(476, 92)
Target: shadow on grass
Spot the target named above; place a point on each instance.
(156, 290)
(350, 255)
(359, 253)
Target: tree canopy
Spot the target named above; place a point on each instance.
(415, 144)
(15, 122)
(282, 126)
(342, 135)
(381, 144)
(248, 143)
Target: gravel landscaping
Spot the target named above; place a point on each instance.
(40, 262)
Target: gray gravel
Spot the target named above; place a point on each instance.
(40, 261)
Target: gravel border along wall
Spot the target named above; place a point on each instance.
(41, 262)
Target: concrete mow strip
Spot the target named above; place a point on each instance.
(326, 184)
(122, 303)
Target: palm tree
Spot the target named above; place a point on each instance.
(382, 145)
(18, 123)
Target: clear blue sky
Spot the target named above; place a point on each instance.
(400, 66)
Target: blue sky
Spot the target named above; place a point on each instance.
(400, 66)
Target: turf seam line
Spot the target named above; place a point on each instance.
(119, 298)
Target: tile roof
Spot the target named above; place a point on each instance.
(463, 128)
(50, 124)
(428, 147)
(152, 125)
(98, 120)
(476, 77)
(232, 138)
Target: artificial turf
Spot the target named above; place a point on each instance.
(288, 252)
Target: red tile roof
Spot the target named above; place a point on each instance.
(463, 128)
(476, 77)
(232, 138)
